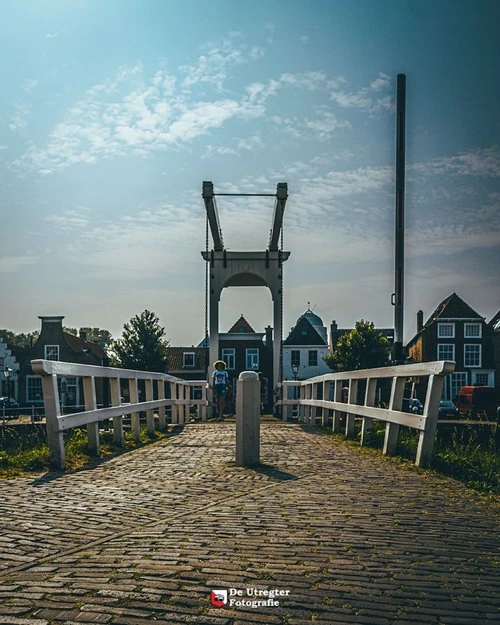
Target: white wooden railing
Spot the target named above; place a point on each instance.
(324, 394)
(155, 399)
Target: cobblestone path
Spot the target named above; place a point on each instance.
(345, 537)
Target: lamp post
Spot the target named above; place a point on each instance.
(7, 373)
(295, 371)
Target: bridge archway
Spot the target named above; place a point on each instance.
(244, 269)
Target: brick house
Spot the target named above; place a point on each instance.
(56, 344)
(456, 332)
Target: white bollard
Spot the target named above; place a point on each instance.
(248, 419)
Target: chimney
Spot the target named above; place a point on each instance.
(269, 336)
(83, 335)
(420, 320)
(333, 330)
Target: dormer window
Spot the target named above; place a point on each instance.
(51, 352)
(188, 359)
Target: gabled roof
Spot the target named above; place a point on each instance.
(453, 307)
(80, 346)
(495, 322)
(241, 326)
(304, 333)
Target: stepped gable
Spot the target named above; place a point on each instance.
(241, 327)
(453, 307)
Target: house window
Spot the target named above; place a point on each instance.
(195, 392)
(472, 355)
(295, 357)
(252, 359)
(188, 359)
(446, 351)
(34, 391)
(228, 358)
(481, 379)
(457, 380)
(51, 352)
(313, 357)
(446, 330)
(472, 330)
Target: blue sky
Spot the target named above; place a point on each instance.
(113, 113)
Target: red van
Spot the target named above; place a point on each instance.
(477, 401)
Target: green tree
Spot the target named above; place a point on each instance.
(21, 340)
(361, 348)
(142, 345)
(98, 336)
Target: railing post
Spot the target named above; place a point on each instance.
(187, 399)
(116, 400)
(203, 407)
(350, 417)
(91, 404)
(52, 414)
(174, 388)
(248, 419)
(431, 411)
(367, 423)
(337, 413)
(150, 416)
(135, 421)
(324, 411)
(396, 403)
(162, 420)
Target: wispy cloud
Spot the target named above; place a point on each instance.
(368, 99)
(70, 219)
(29, 86)
(480, 162)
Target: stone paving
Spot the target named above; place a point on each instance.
(344, 537)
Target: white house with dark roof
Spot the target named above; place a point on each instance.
(305, 347)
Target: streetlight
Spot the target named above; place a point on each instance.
(7, 373)
(295, 371)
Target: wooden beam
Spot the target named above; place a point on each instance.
(212, 214)
(279, 210)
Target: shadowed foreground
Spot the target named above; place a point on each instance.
(146, 536)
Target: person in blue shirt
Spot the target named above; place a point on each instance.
(219, 384)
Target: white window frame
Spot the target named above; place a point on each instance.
(30, 389)
(470, 348)
(252, 358)
(185, 364)
(312, 351)
(449, 347)
(442, 330)
(229, 357)
(47, 350)
(292, 360)
(469, 326)
(456, 381)
(484, 374)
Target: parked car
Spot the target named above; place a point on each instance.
(415, 406)
(8, 406)
(8, 402)
(447, 410)
(477, 401)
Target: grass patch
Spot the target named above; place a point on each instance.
(24, 450)
(464, 453)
